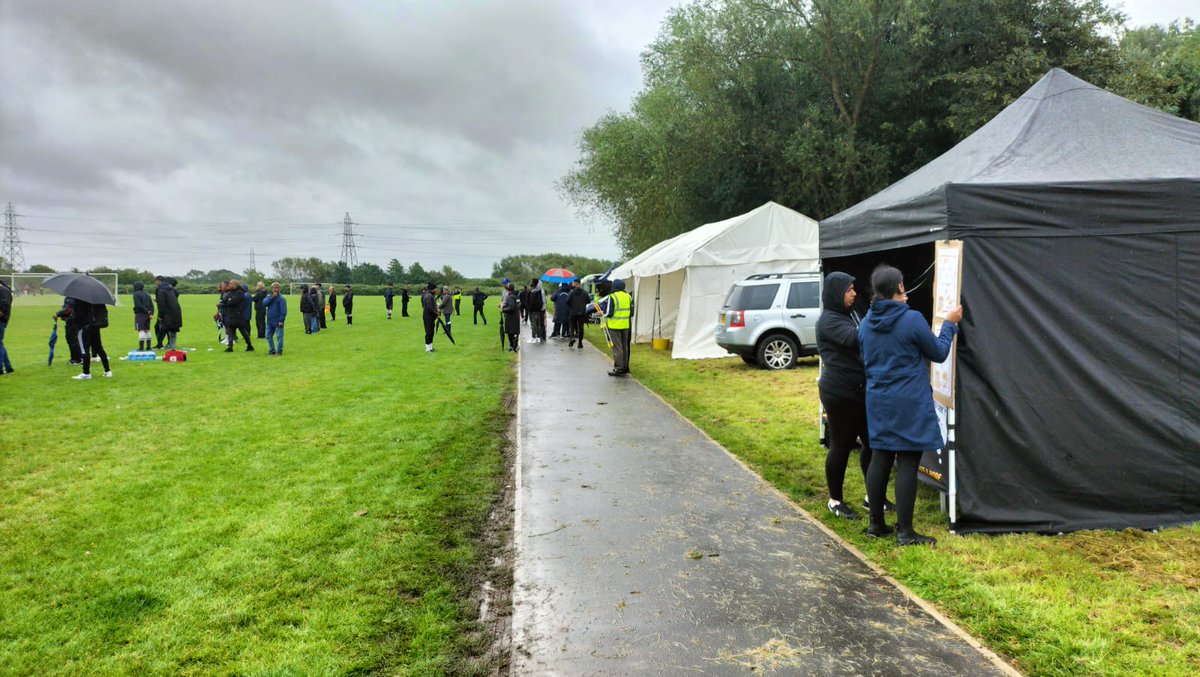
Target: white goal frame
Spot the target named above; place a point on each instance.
(34, 282)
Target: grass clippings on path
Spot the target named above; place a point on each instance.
(1088, 603)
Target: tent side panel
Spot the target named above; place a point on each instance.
(916, 221)
(646, 323)
(1074, 209)
(704, 293)
(1073, 366)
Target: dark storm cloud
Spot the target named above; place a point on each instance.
(194, 112)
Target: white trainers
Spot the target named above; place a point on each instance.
(82, 377)
(108, 374)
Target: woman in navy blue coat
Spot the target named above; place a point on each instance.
(897, 346)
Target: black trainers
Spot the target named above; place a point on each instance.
(888, 506)
(913, 538)
(879, 530)
(842, 510)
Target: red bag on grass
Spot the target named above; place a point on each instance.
(174, 356)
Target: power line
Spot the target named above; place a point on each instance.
(12, 252)
(349, 257)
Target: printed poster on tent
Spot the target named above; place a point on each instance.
(947, 283)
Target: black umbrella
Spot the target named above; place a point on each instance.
(82, 287)
(446, 328)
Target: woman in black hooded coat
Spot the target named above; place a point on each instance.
(842, 387)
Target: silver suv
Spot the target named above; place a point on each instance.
(771, 319)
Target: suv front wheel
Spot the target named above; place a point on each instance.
(777, 351)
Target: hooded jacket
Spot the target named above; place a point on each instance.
(169, 316)
(842, 373)
(306, 305)
(897, 346)
(562, 313)
(6, 301)
(142, 304)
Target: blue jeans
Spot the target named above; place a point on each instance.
(314, 323)
(5, 365)
(273, 331)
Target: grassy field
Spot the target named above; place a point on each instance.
(316, 513)
(1093, 603)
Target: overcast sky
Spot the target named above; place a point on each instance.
(171, 135)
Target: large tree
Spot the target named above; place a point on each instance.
(817, 104)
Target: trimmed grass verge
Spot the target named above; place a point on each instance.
(1090, 603)
(315, 513)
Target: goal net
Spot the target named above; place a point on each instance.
(29, 285)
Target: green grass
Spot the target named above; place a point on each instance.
(200, 518)
(1093, 603)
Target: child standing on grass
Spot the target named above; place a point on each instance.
(143, 310)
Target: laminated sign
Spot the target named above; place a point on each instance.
(947, 285)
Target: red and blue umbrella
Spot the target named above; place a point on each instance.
(558, 275)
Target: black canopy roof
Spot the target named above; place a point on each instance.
(1063, 140)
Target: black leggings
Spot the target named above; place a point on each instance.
(906, 486)
(89, 342)
(847, 422)
(576, 328)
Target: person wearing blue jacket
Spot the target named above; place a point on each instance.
(897, 345)
(276, 307)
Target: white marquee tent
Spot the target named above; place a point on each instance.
(690, 274)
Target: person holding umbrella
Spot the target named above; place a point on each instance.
(6, 299)
(429, 314)
(91, 318)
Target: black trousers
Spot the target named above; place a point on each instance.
(537, 324)
(404, 308)
(72, 332)
(260, 322)
(576, 326)
(479, 314)
(847, 422)
(332, 311)
(906, 463)
(349, 310)
(430, 324)
(89, 342)
(245, 331)
(456, 304)
(321, 317)
(159, 335)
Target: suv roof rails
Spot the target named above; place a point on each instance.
(776, 276)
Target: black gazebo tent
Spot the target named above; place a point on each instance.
(1079, 362)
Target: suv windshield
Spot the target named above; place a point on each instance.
(756, 297)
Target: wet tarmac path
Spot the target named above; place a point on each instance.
(643, 548)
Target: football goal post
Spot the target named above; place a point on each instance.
(25, 285)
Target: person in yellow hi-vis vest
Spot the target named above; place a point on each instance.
(617, 309)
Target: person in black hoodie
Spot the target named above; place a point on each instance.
(233, 307)
(577, 304)
(477, 299)
(170, 317)
(70, 329)
(404, 302)
(347, 304)
(842, 388)
(6, 300)
(260, 311)
(333, 302)
(429, 313)
(306, 308)
(90, 319)
(510, 311)
(143, 310)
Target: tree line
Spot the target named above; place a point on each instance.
(818, 104)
